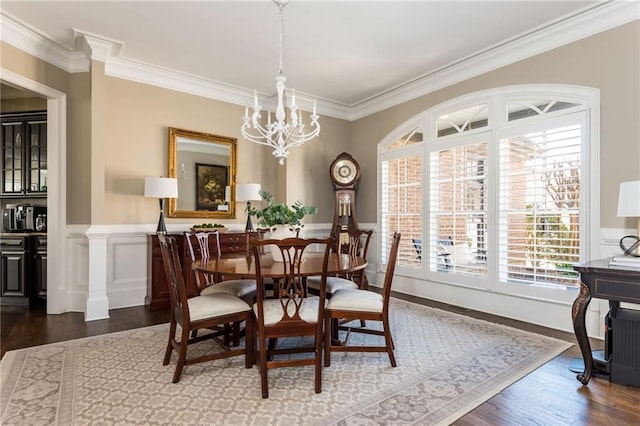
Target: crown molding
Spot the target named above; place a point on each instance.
(29, 39)
(96, 46)
(590, 21)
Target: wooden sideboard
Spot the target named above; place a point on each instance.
(157, 290)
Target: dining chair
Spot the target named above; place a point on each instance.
(357, 244)
(200, 312)
(357, 304)
(214, 283)
(291, 312)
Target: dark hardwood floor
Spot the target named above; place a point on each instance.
(550, 395)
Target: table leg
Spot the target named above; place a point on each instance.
(578, 313)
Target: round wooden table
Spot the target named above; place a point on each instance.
(243, 265)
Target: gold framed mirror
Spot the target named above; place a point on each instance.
(205, 167)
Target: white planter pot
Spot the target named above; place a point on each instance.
(280, 232)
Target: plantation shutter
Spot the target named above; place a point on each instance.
(539, 202)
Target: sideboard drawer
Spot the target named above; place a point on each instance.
(235, 242)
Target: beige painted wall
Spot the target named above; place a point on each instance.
(136, 145)
(22, 104)
(609, 61)
(79, 149)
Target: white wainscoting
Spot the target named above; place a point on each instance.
(123, 266)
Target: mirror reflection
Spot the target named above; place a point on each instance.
(205, 166)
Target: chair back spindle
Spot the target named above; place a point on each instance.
(177, 289)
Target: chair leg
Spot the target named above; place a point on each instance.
(318, 358)
(172, 337)
(248, 343)
(236, 333)
(389, 342)
(263, 368)
(227, 334)
(335, 322)
(328, 335)
(182, 355)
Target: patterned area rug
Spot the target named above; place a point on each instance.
(447, 365)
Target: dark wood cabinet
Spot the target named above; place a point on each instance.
(39, 280)
(157, 289)
(23, 142)
(14, 266)
(23, 269)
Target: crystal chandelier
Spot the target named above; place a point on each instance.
(279, 134)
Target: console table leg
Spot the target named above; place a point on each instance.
(578, 313)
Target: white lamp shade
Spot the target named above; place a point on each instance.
(248, 192)
(629, 199)
(159, 187)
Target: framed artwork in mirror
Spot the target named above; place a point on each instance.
(204, 165)
(211, 181)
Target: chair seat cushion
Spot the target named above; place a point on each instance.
(333, 283)
(273, 311)
(214, 305)
(238, 288)
(356, 300)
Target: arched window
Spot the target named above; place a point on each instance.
(496, 192)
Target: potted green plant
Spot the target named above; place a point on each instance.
(279, 213)
(280, 218)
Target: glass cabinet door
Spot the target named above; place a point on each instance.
(12, 138)
(37, 157)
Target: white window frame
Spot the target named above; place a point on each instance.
(588, 100)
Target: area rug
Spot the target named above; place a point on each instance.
(447, 365)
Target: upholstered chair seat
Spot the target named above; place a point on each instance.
(274, 313)
(356, 300)
(333, 284)
(237, 288)
(215, 305)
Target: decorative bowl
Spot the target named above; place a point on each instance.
(198, 229)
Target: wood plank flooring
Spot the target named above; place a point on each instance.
(550, 395)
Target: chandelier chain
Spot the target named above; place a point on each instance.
(281, 34)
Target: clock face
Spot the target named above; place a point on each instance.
(344, 172)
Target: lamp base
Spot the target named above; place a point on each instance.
(633, 249)
(162, 229)
(249, 226)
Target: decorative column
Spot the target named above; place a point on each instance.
(97, 300)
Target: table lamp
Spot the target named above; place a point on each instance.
(248, 192)
(629, 206)
(161, 188)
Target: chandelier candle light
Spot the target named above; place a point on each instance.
(279, 134)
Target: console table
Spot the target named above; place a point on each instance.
(157, 289)
(613, 283)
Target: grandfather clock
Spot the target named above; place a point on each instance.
(345, 176)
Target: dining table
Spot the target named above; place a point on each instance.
(242, 265)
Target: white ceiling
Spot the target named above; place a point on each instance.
(347, 52)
